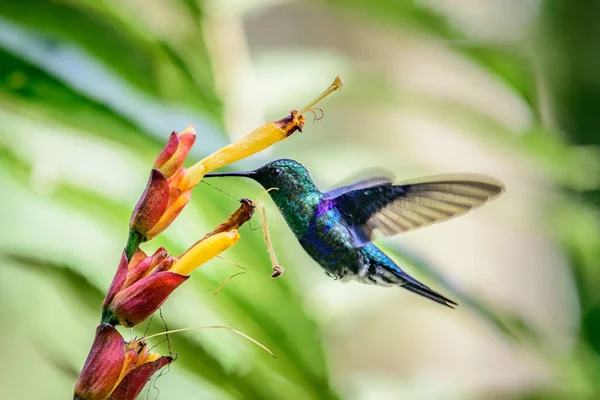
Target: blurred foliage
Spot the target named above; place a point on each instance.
(173, 73)
(574, 82)
(118, 41)
(511, 325)
(172, 69)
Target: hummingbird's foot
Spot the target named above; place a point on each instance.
(334, 276)
(277, 269)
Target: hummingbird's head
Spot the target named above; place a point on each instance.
(288, 176)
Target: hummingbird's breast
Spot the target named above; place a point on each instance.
(320, 230)
(329, 242)
(297, 209)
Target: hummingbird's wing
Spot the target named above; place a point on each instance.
(362, 179)
(362, 184)
(391, 209)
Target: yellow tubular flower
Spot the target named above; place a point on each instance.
(257, 140)
(203, 251)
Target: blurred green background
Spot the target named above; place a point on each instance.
(90, 90)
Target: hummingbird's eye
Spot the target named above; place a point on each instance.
(276, 172)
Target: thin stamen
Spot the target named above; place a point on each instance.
(244, 270)
(337, 84)
(215, 327)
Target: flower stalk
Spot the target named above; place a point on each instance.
(133, 242)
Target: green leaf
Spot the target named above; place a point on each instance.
(510, 65)
(507, 64)
(120, 41)
(27, 89)
(109, 40)
(410, 13)
(70, 279)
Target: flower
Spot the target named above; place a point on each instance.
(115, 369)
(143, 284)
(168, 190)
(203, 251)
(169, 187)
(257, 140)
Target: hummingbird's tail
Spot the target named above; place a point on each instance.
(417, 287)
(382, 270)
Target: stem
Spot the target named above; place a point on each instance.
(108, 317)
(133, 242)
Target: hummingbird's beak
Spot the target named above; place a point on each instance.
(242, 174)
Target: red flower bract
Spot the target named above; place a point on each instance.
(133, 383)
(168, 190)
(115, 369)
(152, 205)
(171, 159)
(140, 287)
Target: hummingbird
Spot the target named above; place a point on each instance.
(337, 228)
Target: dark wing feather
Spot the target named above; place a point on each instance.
(391, 209)
(361, 184)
